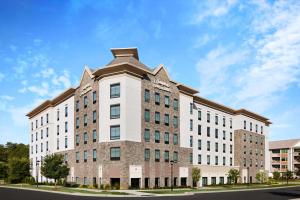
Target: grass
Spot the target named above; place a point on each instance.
(68, 190)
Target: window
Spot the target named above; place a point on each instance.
(42, 121)
(250, 126)
(77, 122)
(191, 141)
(208, 131)
(208, 117)
(115, 153)
(147, 135)
(157, 137)
(231, 149)
(224, 135)
(147, 154)
(94, 116)
(208, 145)
(115, 111)
(77, 139)
(66, 127)
(157, 155)
(85, 181)
(66, 111)
(47, 132)
(216, 160)
(230, 121)
(147, 95)
(115, 132)
(85, 120)
(66, 142)
(57, 117)
(261, 129)
(94, 135)
(230, 136)
(36, 148)
(167, 101)
(57, 144)
(199, 159)
(216, 120)
(191, 158)
(199, 144)
(245, 124)
(175, 156)
(256, 128)
(147, 115)
(199, 129)
(175, 139)
(77, 157)
(199, 114)
(175, 122)
(224, 122)
(42, 147)
(166, 156)
(57, 129)
(31, 125)
(175, 104)
(115, 90)
(31, 137)
(216, 133)
(167, 138)
(230, 161)
(85, 156)
(85, 137)
(191, 108)
(157, 98)
(94, 97)
(208, 160)
(157, 117)
(77, 106)
(36, 136)
(42, 134)
(94, 155)
(191, 125)
(47, 146)
(167, 119)
(216, 147)
(36, 123)
(224, 148)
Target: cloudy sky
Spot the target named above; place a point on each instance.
(244, 54)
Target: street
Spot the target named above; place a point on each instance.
(271, 194)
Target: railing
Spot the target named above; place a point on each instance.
(296, 153)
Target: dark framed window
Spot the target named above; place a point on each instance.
(94, 135)
(191, 158)
(157, 117)
(175, 122)
(199, 159)
(147, 135)
(230, 121)
(115, 90)
(245, 124)
(85, 120)
(157, 136)
(94, 97)
(191, 141)
(167, 138)
(115, 111)
(175, 138)
(157, 155)
(216, 147)
(166, 156)
(191, 108)
(167, 101)
(47, 118)
(77, 105)
(147, 115)
(199, 115)
(216, 120)
(77, 122)
(115, 153)
(175, 104)
(147, 95)
(115, 132)
(199, 129)
(216, 133)
(85, 156)
(224, 121)
(66, 142)
(66, 111)
(57, 115)
(77, 139)
(208, 117)
(157, 98)
(191, 125)
(94, 116)
(208, 145)
(224, 148)
(167, 119)
(208, 131)
(208, 160)
(175, 156)
(57, 129)
(147, 154)
(77, 157)
(42, 121)
(199, 145)
(85, 101)
(85, 137)
(94, 155)
(66, 127)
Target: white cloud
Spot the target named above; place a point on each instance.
(213, 9)
(62, 79)
(203, 40)
(6, 97)
(42, 90)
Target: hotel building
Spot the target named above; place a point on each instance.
(127, 124)
(284, 155)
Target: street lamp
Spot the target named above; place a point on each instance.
(37, 174)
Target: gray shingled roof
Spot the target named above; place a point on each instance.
(281, 144)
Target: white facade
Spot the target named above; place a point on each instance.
(130, 108)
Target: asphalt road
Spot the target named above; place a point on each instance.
(274, 194)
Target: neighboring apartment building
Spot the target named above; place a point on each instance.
(284, 155)
(125, 123)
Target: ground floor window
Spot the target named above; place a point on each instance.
(135, 183)
(204, 181)
(166, 182)
(183, 181)
(221, 180)
(115, 183)
(175, 182)
(156, 182)
(146, 182)
(213, 180)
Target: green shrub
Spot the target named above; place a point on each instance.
(107, 187)
(29, 180)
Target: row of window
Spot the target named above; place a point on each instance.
(115, 154)
(41, 135)
(42, 122)
(85, 101)
(47, 146)
(85, 137)
(157, 155)
(85, 119)
(208, 117)
(208, 160)
(158, 120)
(251, 139)
(208, 131)
(251, 128)
(250, 151)
(208, 146)
(157, 99)
(157, 137)
(250, 163)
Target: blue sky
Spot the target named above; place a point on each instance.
(244, 54)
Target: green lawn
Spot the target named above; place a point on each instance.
(68, 190)
(168, 191)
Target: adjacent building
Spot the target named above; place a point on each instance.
(129, 125)
(285, 155)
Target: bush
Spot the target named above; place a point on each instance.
(29, 180)
(106, 187)
(83, 186)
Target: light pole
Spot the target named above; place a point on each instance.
(172, 162)
(37, 173)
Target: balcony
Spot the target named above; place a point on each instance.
(296, 153)
(275, 154)
(275, 161)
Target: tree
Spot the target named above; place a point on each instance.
(233, 175)
(196, 174)
(288, 175)
(261, 177)
(276, 175)
(18, 169)
(3, 170)
(53, 167)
